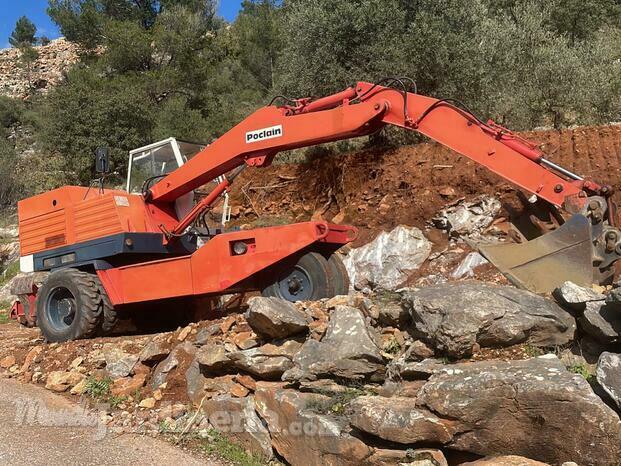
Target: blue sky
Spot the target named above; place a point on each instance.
(11, 10)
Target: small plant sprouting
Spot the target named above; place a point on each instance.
(583, 371)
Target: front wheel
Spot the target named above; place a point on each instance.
(70, 305)
(308, 279)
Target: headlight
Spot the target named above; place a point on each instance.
(240, 248)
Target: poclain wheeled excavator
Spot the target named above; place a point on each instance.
(106, 250)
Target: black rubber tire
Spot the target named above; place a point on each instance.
(316, 272)
(339, 274)
(110, 316)
(84, 289)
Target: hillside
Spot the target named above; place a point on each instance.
(16, 81)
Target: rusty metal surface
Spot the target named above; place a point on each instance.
(543, 264)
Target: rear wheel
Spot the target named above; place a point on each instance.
(308, 279)
(69, 305)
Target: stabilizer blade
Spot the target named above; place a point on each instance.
(545, 263)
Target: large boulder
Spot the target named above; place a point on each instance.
(238, 420)
(303, 436)
(453, 317)
(609, 375)
(347, 351)
(533, 408)
(398, 420)
(275, 318)
(388, 260)
(267, 362)
(602, 321)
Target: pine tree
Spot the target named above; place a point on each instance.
(24, 33)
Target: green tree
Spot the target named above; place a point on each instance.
(85, 21)
(88, 111)
(331, 45)
(258, 30)
(11, 114)
(24, 33)
(582, 19)
(146, 84)
(28, 57)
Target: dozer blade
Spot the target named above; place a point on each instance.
(545, 263)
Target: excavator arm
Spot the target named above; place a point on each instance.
(362, 110)
(591, 242)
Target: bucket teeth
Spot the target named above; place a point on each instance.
(545, 263)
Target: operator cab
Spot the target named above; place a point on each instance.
(148, 164)
(157, 159)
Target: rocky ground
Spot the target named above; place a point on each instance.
(447, 374)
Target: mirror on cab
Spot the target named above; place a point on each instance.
(102, 160)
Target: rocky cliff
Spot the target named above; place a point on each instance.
(17, 80)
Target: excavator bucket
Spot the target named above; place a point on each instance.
(544, 263)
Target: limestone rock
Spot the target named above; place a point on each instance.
(7, 362)
(392, 314)
(602, 322)
(303, 437)
(118, 362)
(388, 260)
(415, 457)
(61, 381)
(147, 403)
(154, 352)
(53, 60)
(79, 388)
(347, 351)
(275, 318)
(183, 352)
(453, 317)
(555, 412)
(245, 340)
(609, 375)
(127, 386)
(468, 219)
(510, 460)
(238, 420)
(31, 357)
(213, 358)
(267, 362)
(183, 334)
(575, 296)
(398, 420)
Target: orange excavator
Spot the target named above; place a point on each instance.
(106, 250)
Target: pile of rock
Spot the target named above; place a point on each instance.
(53, 60)
(599, 317)
(360, 380)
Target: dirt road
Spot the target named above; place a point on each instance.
(41, 428)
